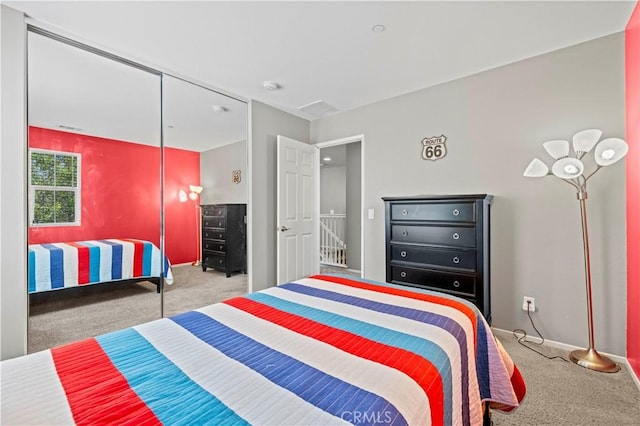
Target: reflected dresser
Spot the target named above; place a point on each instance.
(224, 237)
(442, 243)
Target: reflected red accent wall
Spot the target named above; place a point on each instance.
(632, 65)
(120, 184)
(182, 168)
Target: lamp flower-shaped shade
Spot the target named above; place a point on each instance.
(610, 150)
(585, 140)
(557, 149)
(536, 168)
(567, 168)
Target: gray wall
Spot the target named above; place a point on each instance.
(216, 166)
(495, 123)
(354, 213)
(266, 123)
(13, 213)
(333, 189)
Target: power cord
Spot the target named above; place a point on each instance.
(523, 339)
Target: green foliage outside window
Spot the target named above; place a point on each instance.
(54, 187)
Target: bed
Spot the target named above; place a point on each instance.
(56, 266)
(326, 349)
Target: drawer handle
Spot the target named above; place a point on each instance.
(456, 260)
(403, 253)
(405, 233)
(403, 274)
(220, 262)
(220, 224)
(405, 212)
(456, 212)
(456, 236)
(456, 284)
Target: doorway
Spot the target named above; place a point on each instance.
(340, 202)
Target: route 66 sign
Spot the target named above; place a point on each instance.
(434, 148)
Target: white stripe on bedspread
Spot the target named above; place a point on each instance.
(127, 257)
(404, 393)
(429, 332)
(475, 409)
(36, 392)
(223, 377)
(70, 262)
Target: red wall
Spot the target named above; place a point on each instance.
(120, 192)
(632, 63)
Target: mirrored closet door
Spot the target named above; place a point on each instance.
(94, 132)
(205, 195)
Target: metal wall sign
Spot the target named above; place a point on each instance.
(434, 148)
(235, 176)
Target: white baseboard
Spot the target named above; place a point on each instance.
(569, 348)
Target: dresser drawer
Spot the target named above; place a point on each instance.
(214, 222)
(455, 236)
(464, 259)
(451, 283)
(213, 234)
(214, 260)
(451, 212)
(214, 210)
(214, 246)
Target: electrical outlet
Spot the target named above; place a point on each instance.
(531, 302)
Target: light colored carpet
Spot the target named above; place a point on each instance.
(563, 393)
(64, 316)
(558, 392)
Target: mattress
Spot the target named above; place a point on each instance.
(322, 350)
(70, 264)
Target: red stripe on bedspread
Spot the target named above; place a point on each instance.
(97, 392)
(466, 310)
(138, 252)
(83, 262)
(419, 369)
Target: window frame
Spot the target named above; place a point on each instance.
(76, 191)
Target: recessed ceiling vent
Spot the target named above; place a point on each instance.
(319, 109)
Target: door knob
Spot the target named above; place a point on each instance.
(284, 228)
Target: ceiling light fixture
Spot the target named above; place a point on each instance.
(379, 28)
(271, 85)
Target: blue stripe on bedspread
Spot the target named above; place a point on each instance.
(146, 258)
(432, 318)
(116, 259)
(57, 265)
(425, 348)
(309, 383)
(173, 397)
(32, 271)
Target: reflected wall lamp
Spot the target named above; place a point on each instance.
(194, 193)
(570, 168)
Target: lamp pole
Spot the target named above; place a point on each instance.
(589, 358)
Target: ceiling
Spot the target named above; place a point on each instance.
(327, 51)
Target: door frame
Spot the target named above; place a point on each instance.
(345, 141)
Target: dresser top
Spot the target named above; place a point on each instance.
(487, 197)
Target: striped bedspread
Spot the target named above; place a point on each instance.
(70, 264)
(322, 350)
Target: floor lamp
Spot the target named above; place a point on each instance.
(571, 169)
(194, 195)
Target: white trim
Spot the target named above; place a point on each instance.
(569, 348)
(344, 141)
(249, 180)
(564, 346)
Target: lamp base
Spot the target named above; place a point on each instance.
(591, 359)
(196, 263)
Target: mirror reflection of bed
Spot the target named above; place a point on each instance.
(98, 187)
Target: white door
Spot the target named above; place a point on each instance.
(297, 213)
